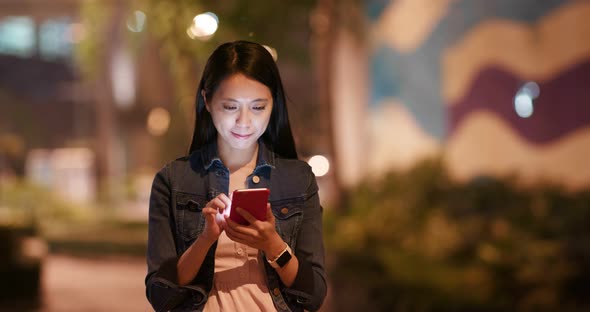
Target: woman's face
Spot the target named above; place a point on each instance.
(240, 109)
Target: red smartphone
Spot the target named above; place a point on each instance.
(252, 200)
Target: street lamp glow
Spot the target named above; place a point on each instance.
(203, 27)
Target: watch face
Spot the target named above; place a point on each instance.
(284, 259)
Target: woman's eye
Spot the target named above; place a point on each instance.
(259, 108)
(229, 107)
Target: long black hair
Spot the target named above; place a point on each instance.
(255, 62)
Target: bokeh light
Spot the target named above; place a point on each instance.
(136, 22)
(531, 88)
(272, 51)
(523, 105)
(203, 27)
(524, 99)
(320, 165)
(123, 79)
(76, 33)
(158, 121)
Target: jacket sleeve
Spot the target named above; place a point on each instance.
(309, 288)
(161, 282)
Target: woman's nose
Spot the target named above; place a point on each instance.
(243, 118)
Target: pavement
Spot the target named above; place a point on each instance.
(86, 284)
(95, 285)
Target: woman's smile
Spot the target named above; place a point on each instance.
(241, 136)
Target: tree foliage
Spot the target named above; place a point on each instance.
(280, 24)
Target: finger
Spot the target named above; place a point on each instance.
(244, 239)
(235, 238)
(238, 236)
(220, 221)
(236, 233)
(219, 203)
(230, 223)
(215, 203)
(269, 216)
(229, 200)
(209, 211)
(249, 217)
(226, 200)
(238, 228)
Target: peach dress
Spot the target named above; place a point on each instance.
(239, 282)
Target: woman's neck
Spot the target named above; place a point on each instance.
(235, 159)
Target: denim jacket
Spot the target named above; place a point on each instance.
(183, 187)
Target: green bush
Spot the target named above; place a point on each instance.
(417, 241)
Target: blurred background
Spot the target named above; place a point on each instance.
(450, 139)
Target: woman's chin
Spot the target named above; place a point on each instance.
(243, 144)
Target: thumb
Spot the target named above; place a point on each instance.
(269, 215)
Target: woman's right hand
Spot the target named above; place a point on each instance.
(213, 226)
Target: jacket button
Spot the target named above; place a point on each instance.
(276, 291)
(285, 210)
(256, 179)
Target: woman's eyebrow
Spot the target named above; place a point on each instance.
(237, 101)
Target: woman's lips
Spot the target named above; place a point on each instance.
(241, 136)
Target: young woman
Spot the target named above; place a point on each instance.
(199, 259)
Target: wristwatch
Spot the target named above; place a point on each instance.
(282, 259)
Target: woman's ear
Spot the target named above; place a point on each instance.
(203, 93)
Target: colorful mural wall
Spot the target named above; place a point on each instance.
(496, 87)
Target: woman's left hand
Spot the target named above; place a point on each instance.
(258, 234)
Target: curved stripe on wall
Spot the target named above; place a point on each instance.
(396, 141)
(405, 24)
(415, 77)
(409, 78)
(562, 106)
(557, 41)
(486, 145)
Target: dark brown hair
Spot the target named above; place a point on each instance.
(255, 62)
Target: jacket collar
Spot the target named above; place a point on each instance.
(210, 156)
